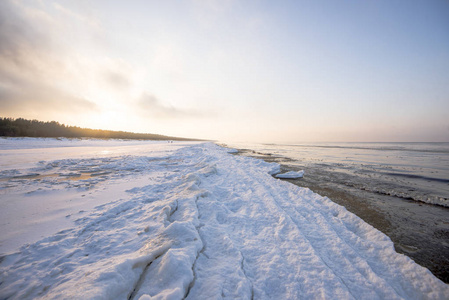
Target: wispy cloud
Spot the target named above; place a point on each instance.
(29, 68)
(34, 99)
(116, 79)
(21, 44)
(87, 20)
(149, 105)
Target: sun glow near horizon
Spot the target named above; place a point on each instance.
(231, 70)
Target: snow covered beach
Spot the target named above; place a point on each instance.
(134, 220)
(401, 189)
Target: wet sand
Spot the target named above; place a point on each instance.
(418, 230)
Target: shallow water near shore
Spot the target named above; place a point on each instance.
(402, 189)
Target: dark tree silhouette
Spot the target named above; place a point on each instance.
(33, 128)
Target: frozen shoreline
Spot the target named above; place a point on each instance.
(204, 224)
(418, 230)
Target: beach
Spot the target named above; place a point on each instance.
(183, 220)
(419, 229)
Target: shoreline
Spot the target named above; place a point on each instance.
(405, 222)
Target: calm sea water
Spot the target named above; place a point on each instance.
(415, 171)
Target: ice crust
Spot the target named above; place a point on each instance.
(192, 221)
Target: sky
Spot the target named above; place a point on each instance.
(229, 70)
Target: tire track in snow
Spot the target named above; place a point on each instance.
(363, 264)
(294, 218)
(316, 249)
(259, 190)
(367, 271)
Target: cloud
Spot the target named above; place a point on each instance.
(149, 105)
(41, 99)
(86, 20)
(17, 39)
(31, 69)
(116, 79)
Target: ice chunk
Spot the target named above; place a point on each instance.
(291, 175)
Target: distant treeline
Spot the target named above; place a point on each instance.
(34, 128)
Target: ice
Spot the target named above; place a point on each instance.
(185, 220)
(291, 175)
(233, 151)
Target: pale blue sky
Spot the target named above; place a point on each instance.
(261, 71)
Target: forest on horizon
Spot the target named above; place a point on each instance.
(33, 128)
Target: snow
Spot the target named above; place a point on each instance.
(183, 220)
(291, 175)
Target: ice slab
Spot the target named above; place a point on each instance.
(291, 175)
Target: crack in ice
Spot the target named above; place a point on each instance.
(141, 278)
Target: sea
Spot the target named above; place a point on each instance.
(402, 189)
(415, 171)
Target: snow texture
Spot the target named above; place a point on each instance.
(291, 175)
(189, 220)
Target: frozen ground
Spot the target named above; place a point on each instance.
(134, 220)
